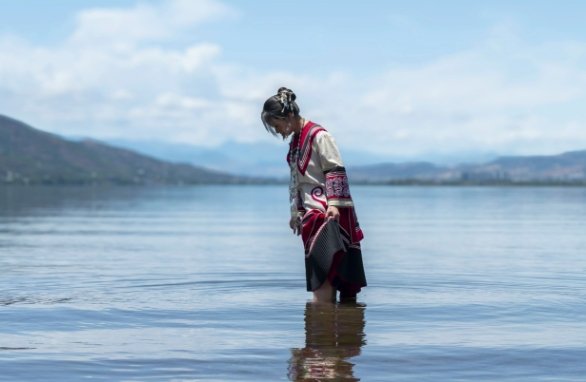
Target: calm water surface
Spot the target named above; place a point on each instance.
(207, 284)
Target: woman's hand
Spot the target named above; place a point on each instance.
(295, 224)
(333, 212)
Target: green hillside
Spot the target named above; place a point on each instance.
(31, 156)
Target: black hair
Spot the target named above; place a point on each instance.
(279, 106)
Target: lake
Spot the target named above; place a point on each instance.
(207, 284)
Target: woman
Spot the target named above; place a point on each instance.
(322, 210)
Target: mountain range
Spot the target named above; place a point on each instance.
(566, 168)
(32, 156)
(265, 160)
(260, 159)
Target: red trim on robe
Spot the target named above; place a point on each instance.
(314, 219)
(304, 142)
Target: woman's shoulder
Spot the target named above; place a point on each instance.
(324, 135)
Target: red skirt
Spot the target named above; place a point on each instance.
(332, 251)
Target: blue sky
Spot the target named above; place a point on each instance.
(408, 79)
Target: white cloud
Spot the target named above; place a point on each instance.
(157, 21)
(169, 100)
(123, 74)
(112, 77)
(496, 97)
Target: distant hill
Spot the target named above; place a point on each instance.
(566, 168)
(31, 156)
(263, 159)
(251, 159)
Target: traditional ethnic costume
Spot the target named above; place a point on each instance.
(318, 179)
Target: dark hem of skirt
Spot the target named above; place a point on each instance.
(346, 272)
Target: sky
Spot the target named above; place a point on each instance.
(403, 79)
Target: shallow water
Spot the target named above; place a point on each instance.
(207, 284)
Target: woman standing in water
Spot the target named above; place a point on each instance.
(322, 210)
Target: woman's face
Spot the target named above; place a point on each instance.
(283, 126)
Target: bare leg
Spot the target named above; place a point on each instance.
(325, 293)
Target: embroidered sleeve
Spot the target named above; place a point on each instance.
(337, 187)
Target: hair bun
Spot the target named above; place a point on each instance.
(281, 105)
(288, 93)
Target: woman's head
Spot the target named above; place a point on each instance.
(279, 112)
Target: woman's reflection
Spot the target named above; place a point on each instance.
(333, 334)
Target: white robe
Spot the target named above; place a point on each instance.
(318, 177)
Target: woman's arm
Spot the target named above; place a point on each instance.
(336, 180)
